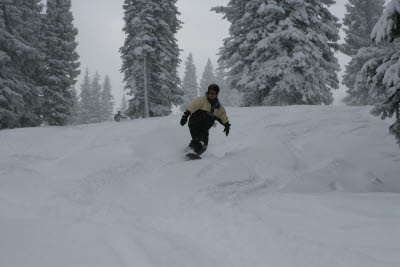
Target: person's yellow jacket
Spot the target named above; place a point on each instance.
(201, 103)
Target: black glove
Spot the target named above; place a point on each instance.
(227, 128)
(185, 116)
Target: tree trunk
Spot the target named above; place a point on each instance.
(146, 98)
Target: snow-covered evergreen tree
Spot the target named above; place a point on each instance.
(95, 107)
(85, 100)
(359, 20)
(21, 63)
(208, 77)
(75, 109)
(124, 105)
(220, 79)
(150, 56)
(91, 108)
(281, 52)
(106, 100)
(189, 85)
(384, 71)
(360, 89)
(227, 95)
(61, 62)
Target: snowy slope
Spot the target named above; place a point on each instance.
(291, 186)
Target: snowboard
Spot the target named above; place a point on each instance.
(192, 156)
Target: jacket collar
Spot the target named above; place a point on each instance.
(214, 104)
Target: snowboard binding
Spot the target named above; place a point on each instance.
(196, 148)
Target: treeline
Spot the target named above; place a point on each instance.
(277, 53)
(96, 101)
(191, 88)
(282, 53)
(38, 63)
(373, 42)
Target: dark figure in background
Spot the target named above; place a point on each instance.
(118, 116)
(203, 112)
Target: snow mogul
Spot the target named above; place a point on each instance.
(203, 112)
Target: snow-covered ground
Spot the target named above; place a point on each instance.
(298, 186)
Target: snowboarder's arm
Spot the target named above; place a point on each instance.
(219, 120)
(223, 119)
(221, 116)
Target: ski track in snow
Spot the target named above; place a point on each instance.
(291, 186)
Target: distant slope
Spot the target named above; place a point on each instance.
(283, 189)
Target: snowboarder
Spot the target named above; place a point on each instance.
(118, 116)
(203, 112)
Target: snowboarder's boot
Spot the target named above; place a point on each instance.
(196, 146)
(199, 146)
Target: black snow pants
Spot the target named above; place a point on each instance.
(199, 125)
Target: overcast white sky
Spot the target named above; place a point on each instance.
(100, 35)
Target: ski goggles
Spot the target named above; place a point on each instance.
(212, 92)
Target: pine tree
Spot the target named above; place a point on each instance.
(61, 62)
(90, 104)
(359, 92)
(95, 108)
(190, 86)
(220, 79)
(359, 20)
(20, 63)
(384, 71)
(106, 100)
(85, 100)
(150, 57)
(208, 77)
(227, 95)
(124, 105)
(75, 111)
(281, 52)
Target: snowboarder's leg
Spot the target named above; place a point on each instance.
(204, 143)
(199, 138)
(196, 146)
